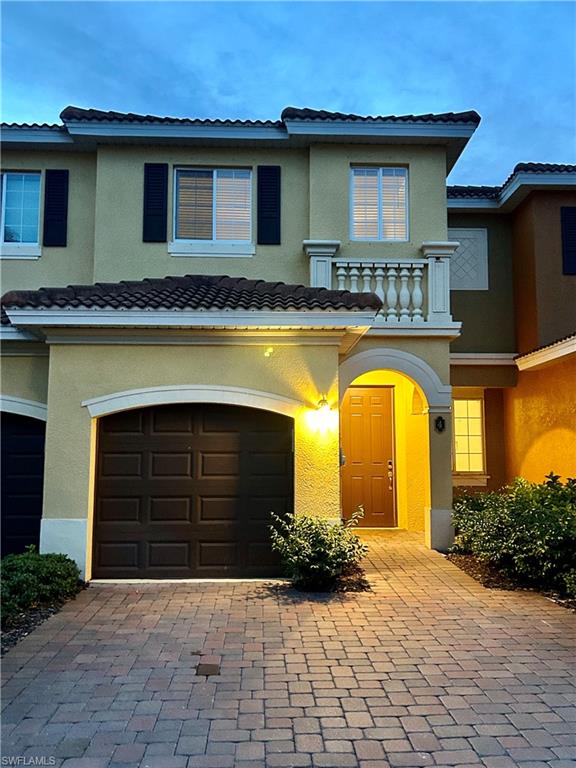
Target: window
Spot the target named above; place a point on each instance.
(568, 225)
(213, 205)
(20, 209)
(468, 455)
(379, 207)
(469, 263)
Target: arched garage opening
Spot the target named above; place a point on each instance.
(22, 474)
(185, 490)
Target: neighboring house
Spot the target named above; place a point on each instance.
(152, 423)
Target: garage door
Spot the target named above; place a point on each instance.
(22, 463)
(186, 491)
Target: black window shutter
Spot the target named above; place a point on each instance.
(155, 202)
(55, 209)
(268, 205)
(568, 220)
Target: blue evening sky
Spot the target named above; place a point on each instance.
(515, 63)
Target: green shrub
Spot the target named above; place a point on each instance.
(30, 580)
(316, 553)
(570, 583)
(526, 529)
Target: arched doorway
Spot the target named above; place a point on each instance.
(185, 490)
(385, 447)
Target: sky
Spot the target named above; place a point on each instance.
(515, 63)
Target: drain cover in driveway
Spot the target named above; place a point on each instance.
(208, 669)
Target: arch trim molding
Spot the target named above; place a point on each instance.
(438, 395)
(191, 393)
(23, 407)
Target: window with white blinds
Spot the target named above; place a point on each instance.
(379, 204)
(213, 204)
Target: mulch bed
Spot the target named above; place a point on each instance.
(491, 578)
(21, 625)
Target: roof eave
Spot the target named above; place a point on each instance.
(110, 318)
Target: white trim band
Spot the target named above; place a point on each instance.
(541, 357)
(19, 405)
(192, 319)
(191, 393)
(482, 358)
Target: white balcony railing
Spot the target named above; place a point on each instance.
(412, 291)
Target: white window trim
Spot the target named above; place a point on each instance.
(471, 474)
(469, 480)
(351, 206)
(200, 248)
(31, 251)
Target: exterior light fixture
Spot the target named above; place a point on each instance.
(323, 418)
(440, 424)
(269, 351)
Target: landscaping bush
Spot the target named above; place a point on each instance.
(316, 553)
(527, 529)
(30, 580)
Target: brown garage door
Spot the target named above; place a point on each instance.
(187, 490)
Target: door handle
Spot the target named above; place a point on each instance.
(390, 474)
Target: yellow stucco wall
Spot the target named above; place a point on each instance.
(412, 470)
(330, 195)
(120, 252)
(79, 372)
(540, 422)
(57, 266)
(24, 375)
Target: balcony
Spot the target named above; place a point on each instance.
(415, 293)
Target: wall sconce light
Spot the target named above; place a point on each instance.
(323, 418)
(440, 424)
(269, 351)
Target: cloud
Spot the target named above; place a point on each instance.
(513, 62)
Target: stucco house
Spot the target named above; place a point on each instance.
(204, 321)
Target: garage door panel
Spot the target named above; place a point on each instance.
(218, 464)
(113, 554)
(166, 464)
(217, 509)
(121, 464)
(120, 510)
(126, 422)
(169, 555)
(200, 502)
(170, 510)
(217, 554)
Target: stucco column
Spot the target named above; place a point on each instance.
(438, 523)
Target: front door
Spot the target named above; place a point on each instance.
(368, 473)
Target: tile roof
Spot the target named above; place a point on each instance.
(289, 113)
(294, 113)
(79, 114)
(561, 340)
(459, 192)
(192, 292)
(543, 168)
(43, 126)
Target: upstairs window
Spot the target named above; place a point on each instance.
(20, 208)
(469, 435)
(379, 204)
(213, 205)
(568, 225)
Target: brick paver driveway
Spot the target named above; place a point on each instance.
(428, 669)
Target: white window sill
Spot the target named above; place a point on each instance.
(201, 249)
(469, 479)
(19, 251)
